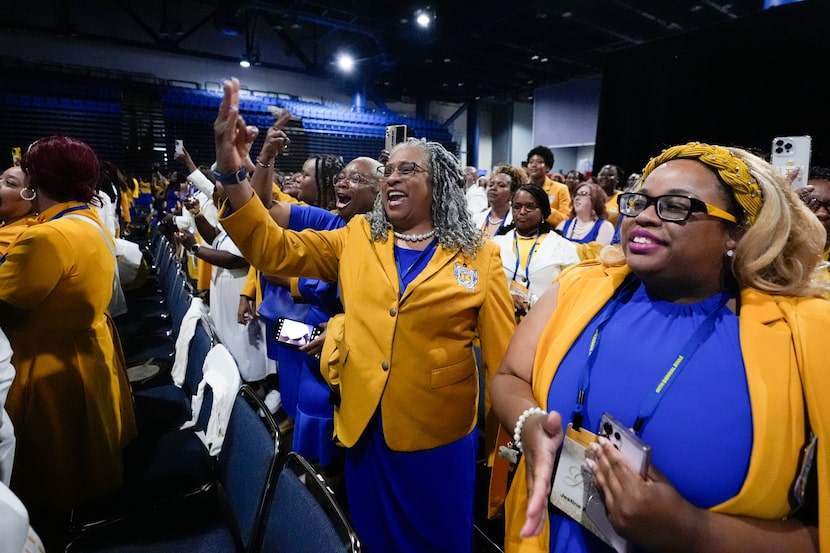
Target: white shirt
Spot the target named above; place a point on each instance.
(476, 199)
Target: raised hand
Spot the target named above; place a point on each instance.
(229, 130)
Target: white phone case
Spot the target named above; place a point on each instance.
(789, 153)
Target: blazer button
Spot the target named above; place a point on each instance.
(393, 312)
(385, 365)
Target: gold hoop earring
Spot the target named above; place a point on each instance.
(30, 198)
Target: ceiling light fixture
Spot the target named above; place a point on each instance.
(345, 62)
(244, 63)
(424, 17)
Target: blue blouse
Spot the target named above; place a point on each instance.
(701, 431)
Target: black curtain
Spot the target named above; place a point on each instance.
(739, 83)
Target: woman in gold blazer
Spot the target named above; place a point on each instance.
(418, 283)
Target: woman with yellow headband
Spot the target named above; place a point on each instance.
(705, 337)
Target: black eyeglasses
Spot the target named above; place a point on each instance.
(354, 178)
(518, 208)
(815, 203)
(405, 169)
(672, 208)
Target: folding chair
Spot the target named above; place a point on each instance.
(304, 516)
(229, 520)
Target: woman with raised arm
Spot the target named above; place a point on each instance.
(707, 340)
(419, 284)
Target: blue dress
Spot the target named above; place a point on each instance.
(304, 392)
(396, 501)
(709, 391)
(590, 237)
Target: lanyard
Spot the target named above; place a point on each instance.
(487, 220)
(529, 256)
(408, 275)
(58, 216)
(69, 210)
(657, 393)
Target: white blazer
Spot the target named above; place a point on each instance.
(552, 255)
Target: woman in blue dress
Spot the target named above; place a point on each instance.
(704, 337)
(588, 222)
(419, 284)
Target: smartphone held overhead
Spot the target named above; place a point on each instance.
(791, 156)
(179, 147)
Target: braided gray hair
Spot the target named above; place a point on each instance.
(453, 227)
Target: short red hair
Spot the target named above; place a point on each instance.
(63, 168)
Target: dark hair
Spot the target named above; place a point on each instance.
(544, 152)
(518, 176)
(326, 169)
(63, 168)
(817, 172)
(620, 174)
(541, 198)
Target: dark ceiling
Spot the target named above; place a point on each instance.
(499, 50)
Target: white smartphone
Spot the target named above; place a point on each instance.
(635, 450)
(179, 146)
(790, 153)
(395, 134)
(637, 453)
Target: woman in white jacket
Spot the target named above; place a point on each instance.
(532, 252)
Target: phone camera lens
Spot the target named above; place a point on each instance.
(779, 143)
(779, 150)
(607, 428)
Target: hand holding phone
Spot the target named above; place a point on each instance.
(791, 156)
(295, 334)
(637, 453)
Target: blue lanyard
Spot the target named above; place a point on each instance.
(58, 216)
(408, 275)
(487, 220)
(69, 210)
(529, 256)
(657, 393)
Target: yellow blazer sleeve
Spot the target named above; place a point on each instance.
(560, 201)
(249, 288)
(277, 251)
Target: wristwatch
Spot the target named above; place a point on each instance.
(194, 249)
(231, 178)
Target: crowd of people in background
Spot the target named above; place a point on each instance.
(423, 279)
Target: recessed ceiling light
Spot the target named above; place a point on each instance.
(544, 60)
(534, 57)
(244, 63)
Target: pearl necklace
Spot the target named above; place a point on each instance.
(415, 237)
(579, 229)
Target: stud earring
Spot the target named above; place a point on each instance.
(730, 252)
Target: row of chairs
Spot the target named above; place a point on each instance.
(262, 502)
(206, 471)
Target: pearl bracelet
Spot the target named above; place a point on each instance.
(517, 431)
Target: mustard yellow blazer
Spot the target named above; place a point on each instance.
(783, 343)
(412, 355)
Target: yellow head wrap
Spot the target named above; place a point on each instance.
(730, 169)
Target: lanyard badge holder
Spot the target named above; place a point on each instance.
(573, 490)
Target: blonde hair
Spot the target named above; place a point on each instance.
(782, 241)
